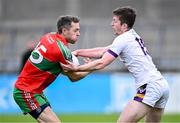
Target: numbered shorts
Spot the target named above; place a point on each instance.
(30, 103)
(154, 94)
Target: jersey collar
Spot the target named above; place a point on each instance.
(62, 39)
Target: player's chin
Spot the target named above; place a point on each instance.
(72, 41)
(116, 33)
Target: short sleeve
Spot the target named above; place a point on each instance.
(64, 51)
(117, 46)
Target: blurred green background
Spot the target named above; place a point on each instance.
(170, 118)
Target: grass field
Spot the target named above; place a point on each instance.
(168, 118)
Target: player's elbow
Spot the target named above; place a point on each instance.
(76, 76)
(74, 79)
(101, 65)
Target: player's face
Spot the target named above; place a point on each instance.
(117, 27)
(72, 34)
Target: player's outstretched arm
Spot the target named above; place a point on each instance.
(91, 53)
(91, 66)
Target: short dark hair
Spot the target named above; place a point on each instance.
(65, 22)
(126, 15)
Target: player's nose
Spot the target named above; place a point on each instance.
(78, 33)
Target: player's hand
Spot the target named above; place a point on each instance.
(87, 60)
(68, 67)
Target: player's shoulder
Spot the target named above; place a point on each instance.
(51, 35)
(49, 38)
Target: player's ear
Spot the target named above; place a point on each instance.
(64, 30)
(124, 26)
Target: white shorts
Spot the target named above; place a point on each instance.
(154, 94)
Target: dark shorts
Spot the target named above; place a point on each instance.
(31, 103)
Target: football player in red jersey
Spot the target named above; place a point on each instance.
(42, 68)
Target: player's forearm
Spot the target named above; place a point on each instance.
(91, 66)
(91, 53)
(96, 64)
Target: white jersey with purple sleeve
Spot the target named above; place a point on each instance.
(130, 47)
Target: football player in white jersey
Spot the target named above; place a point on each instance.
(152, 89)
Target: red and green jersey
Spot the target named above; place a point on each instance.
(42, 67)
